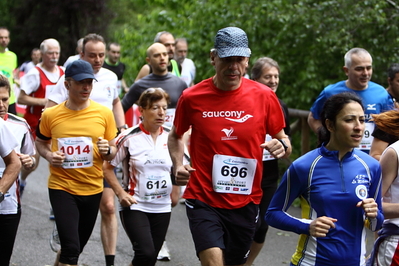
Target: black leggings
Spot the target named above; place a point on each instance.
(8, 231)
(269, 186)
(75, 217)
(146, 232)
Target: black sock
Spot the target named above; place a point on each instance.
(109, 260)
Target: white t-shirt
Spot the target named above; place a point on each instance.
(7, 139)
(7, 143)
(104, 89)
(26, 145)
(188, 71)
(71, 59)
(25, 67)
(148, 177)
(30, 82)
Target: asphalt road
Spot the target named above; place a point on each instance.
(32, 243)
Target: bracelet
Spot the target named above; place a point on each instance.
(109, 150)
(33, 160)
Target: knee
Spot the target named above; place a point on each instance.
(108, 209)
(107, 206)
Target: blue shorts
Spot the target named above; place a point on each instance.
(106, 183)
(231, 230)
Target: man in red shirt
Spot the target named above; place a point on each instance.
(230, 117)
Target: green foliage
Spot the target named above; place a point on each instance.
(308, 38)
(30, 22)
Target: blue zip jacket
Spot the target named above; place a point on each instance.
(329, 187)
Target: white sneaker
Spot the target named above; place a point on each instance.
(55, 240)
(164, 253)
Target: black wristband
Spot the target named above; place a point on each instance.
(283, 143)
(109, 150)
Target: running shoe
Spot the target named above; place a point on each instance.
(21, 188)
(164, 254)
(55, 240)
(51, 216)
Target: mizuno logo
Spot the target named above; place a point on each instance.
(371, 107)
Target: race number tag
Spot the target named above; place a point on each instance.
(232, 174)
(170, 116)
(154, 187)
(78, 152)
(367, 139)
(266, 154)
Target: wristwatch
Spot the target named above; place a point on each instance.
(123, 127)
(1, 196)
(283, 143)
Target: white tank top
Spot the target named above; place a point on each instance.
(392, 194)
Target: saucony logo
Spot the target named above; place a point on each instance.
(240, 120)
(228, 131)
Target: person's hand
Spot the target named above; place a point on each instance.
(369, 206)
(126, 199)
(103, 146)
(27, 161)
(320, 226)
(182, 174)
(55, 158)
(275, 148)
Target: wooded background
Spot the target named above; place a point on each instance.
(308, 38)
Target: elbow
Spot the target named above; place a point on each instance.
(21, 99)
(18, 165)
(269, 218)
(375, 155)
(313, 123)
(125, 108)
(13, 164)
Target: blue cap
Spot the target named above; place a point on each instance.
(79, 70)
(232, 41)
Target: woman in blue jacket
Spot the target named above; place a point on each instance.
(339, 189)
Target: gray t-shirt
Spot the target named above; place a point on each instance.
(173, 85)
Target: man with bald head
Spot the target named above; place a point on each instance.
(157, 58)
(34, 84)
(167, 39)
